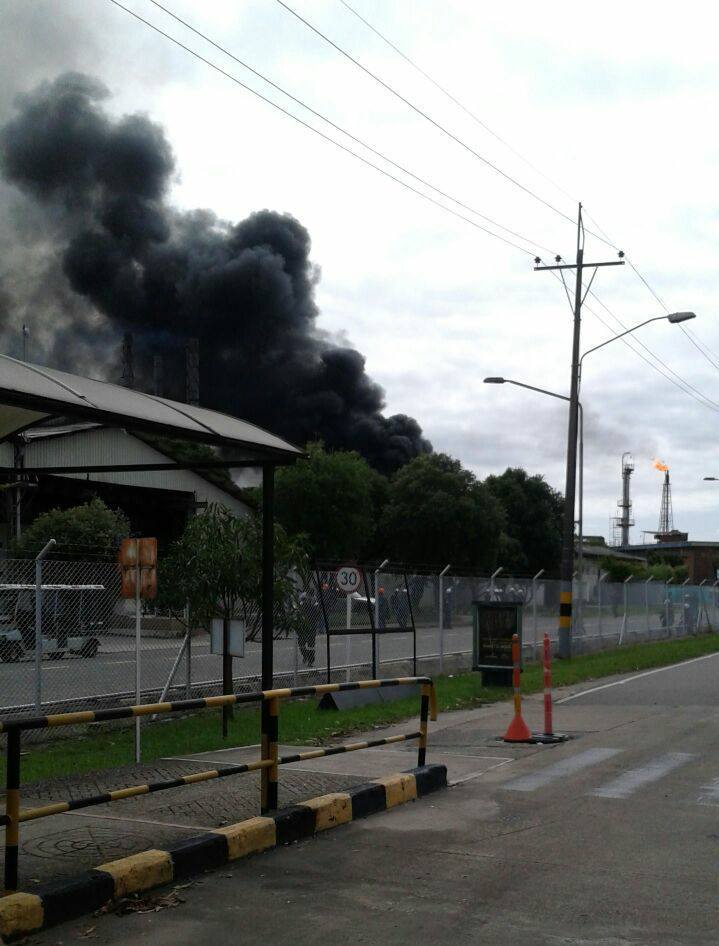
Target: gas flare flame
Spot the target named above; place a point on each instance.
(662, 467)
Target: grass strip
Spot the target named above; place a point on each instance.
(302, 723)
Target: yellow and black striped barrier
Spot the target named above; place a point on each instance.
(268, 764)
(60, 901)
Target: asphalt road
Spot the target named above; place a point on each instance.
(610, 839)
(113, 669)
(73, 679)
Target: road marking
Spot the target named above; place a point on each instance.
(568, 766)
(636, 676)
(710, 794)
(473, 775)
(628, 782)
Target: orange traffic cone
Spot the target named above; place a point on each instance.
(517, 731)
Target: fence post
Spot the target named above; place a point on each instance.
(646, 601)
(599, 606)
(534, 605)
(441, 616)
(138, 688)
(38, 623)
(270, 733)
(376, 659)
(188, 654)
(423, 716)
(38, 635)
(702, 606)
(626, 608)
(12, 808)
(667, 608)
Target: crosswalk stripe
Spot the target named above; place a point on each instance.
(710, 794)
(568, 766)
(628, 782)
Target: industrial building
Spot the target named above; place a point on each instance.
(156, 502)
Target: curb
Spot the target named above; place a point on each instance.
(69, 898)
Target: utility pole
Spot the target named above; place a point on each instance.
(567, 565)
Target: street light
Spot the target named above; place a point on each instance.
(673, 318)
(565, 642)
(567, 570)
(561, 397)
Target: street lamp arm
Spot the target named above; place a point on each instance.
(529, 387)
(656, 318)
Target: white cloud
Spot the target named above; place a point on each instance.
(617, 104)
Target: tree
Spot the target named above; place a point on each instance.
(216, 568)
(437, 513)
(89, 528)
(618, 570)
(334, 499)
(533, 530)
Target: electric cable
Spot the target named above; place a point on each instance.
(344, 131)
(456, 101)
(427, 117)
(687, 384)
(317, 131)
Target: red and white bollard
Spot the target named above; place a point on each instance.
(548, 735)
(547, 687)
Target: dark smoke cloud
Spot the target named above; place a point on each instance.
(246, 290)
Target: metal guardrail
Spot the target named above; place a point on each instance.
(268, 762)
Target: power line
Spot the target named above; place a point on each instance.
(688, 387)
(701, 347)
(707, 402)
(682, 385)
(456, 101)
(699, 399)
(603, 234)
(427, 117)
(344, 131)
(317, 131)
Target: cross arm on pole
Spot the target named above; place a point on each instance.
(543, 268)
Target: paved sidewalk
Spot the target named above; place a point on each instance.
(609, 839)
(62, 845)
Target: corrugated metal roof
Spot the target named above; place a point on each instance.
(31, 393)
(90, 444)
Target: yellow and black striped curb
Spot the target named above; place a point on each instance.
(69, 898)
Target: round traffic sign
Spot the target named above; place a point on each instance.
(348, 579)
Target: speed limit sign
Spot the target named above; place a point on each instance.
(348, 579)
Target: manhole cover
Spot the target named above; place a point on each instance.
(99, 841)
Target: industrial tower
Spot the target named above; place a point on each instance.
(624, 521)
(666, 517)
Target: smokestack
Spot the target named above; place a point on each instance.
(128, 361)
(192, 370)
(158, 381)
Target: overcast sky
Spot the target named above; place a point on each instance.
(616, 104)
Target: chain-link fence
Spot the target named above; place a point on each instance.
(87, 654)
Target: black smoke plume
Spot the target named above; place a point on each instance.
(246, 290)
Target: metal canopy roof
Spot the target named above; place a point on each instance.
(30, 394)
